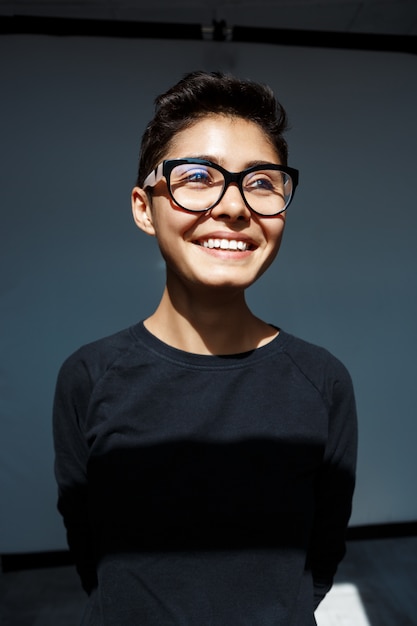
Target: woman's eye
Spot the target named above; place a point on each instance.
(191, 177)
(260, 182)
(199, 176)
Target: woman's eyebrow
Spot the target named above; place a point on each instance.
(220, 161)
(204, 157)
(261, 162)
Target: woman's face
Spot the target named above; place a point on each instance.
(188, 241)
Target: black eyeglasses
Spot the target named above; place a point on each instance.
(198, 185)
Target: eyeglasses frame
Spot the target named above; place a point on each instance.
(165, 168)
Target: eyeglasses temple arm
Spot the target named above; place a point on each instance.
(154, 177)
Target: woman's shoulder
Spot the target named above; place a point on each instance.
(315, 361)
(97, 356)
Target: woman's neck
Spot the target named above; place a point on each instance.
(215, 323)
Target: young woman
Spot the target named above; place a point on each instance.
(205, 458)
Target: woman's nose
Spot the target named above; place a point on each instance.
(231, 206)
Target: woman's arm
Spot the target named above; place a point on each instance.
(334, 486)
(71, 400)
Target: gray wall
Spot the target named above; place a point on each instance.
(74, 267)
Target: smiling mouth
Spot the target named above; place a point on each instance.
(226, 244)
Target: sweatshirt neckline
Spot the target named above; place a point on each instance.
(167, 352)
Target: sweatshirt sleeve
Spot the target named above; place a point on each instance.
(335, 483)
(71, 401)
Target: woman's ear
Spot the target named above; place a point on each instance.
(141, 209)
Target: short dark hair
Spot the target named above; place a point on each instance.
(199, 94)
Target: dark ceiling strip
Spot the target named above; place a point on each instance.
(327, 39)
(68, 27)
(218, 31)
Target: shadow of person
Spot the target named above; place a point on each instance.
(185, 519)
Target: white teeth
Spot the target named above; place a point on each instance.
(225, 244)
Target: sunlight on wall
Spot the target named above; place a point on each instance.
(342, 607)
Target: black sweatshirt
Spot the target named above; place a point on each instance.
(204, 490)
